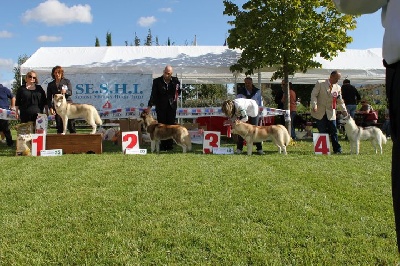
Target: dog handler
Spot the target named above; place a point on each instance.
(325, 98)
(164, 95)
(242, 109)
(249, 91)
(60, 85)
(391, 54)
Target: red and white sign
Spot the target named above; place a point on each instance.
(130, 140)
(38, 144)
(322, 144)
(211, 140)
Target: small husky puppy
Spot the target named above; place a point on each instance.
(356, 133)
(75, 110)
(278, 133)
(160, 132)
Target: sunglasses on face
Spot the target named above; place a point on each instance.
(31, 77)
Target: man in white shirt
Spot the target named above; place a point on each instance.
(391, 55)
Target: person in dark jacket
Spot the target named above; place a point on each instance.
(164, 96)
(30, 99)
(7, 101)
(278, 101)
(60, 85)
(351, 97)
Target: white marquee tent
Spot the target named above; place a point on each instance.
(195, 64)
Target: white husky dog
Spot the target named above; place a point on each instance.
(75, 110)
(356, 133)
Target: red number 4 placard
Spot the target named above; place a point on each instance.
(322, 144)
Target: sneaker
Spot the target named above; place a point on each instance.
(260, 152)
(238, 151)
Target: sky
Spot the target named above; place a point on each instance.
(25, 26)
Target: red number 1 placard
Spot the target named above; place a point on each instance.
(130, 140)
(38, 144)
(211, 140)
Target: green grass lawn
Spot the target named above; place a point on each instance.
(197, 209)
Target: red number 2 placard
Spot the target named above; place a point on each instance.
(130, 140)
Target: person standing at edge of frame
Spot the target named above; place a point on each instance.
(391, 60)
(7, 100)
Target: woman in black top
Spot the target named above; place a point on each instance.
(60, 85)
(30, 99)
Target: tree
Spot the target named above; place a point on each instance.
(137, 40)
(285, 35)
(17, 73)
(203, 95)
(212, 91)
(157, 42)
(149, 39)
(108, 39)
(97, 43)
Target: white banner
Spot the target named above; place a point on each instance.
(115, 94)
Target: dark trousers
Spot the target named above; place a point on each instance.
(239, 144)
(60, 125)
(166, 116)
(329, 126)
(393, 99)
(5, 127)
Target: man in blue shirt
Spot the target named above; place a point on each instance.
(7, 100)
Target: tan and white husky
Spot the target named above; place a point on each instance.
(278, 133)
(76, 110)
(160, 132)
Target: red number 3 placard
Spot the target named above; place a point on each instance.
(211, 139)
(130, 140)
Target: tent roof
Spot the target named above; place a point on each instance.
(193, 64)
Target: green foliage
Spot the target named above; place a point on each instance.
(203, 102)
(97, 43)
(115, 209)
(17, 72)
(108, 39)
(137, 40)
(286, 35)
(149, 39)
(204, 95)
